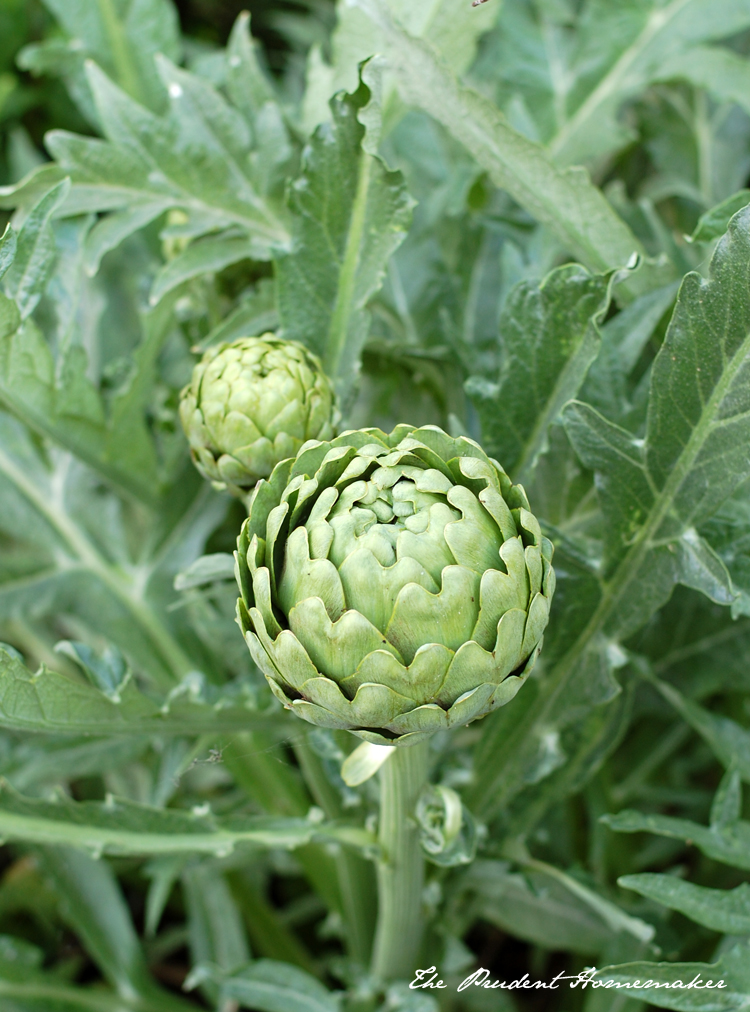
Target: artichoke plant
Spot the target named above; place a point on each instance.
(253, 403)
(393, 585)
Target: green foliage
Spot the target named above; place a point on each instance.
(526, 223)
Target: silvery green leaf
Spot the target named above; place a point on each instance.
(453, 32)
(615, 52)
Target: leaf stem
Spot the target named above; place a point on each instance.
(401, 869)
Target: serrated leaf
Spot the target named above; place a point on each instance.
(454, 33)
(548, 337)
(118, 826)
(349, 215)
(195, 157)
(727, 911)
(651, 493)
(35, 252)
(51, 703)
(654, 491)
(248, 86)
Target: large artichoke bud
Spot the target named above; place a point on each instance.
(394, 585)
(253, 403)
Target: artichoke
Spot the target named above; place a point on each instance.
(393, 585)
(253, 403)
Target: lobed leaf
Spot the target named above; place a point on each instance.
(349, 214)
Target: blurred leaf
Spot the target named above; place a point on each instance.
(729, 844)
(537, 908)
(728, 912)
(725, 74)
(733, 969)
(93, 906)
(270, 986)
(715, 222)
(203, 257)
(576, 83)
(206, 569)
(107, 671)
(215, 928)
(728, 740)
(123, 37)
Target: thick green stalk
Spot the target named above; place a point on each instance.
(398, 935)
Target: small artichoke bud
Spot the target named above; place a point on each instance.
(253, 403)
(393, 585)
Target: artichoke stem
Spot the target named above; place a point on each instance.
(398, 934)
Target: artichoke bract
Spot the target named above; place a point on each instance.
(253, 403)
(393, 585)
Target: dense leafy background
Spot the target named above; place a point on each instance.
(486, 227)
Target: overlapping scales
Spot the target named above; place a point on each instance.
(394, 585)
(253, 403)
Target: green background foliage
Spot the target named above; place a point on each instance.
(526, 222)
